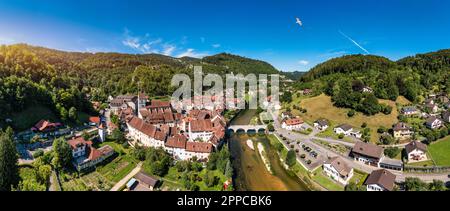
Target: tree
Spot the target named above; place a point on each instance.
(291, 158)
(114, 119)
(415, 184)
(437, 185)
(210, 179)
(387, 139)
(351, 113)
(270, 127)
(73, 115)
(85, 135)
(9, 171)
(352, 186)
(229, 170)
(62, 153)
(392, 152)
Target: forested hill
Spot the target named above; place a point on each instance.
(413, 77)
(349, 64)
(66, 82)
(115, 73)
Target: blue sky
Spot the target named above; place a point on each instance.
(260, 29)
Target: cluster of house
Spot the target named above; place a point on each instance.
(340, 171)
(373, 155)
(435, 118)
(85, 155)
(183, 133)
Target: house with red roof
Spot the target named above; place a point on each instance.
(44, 126)
(85, 155)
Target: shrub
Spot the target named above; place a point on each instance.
(341, 136)
(38, 153)
(351, 113)
(392, 152)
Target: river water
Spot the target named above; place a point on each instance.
(250, 172)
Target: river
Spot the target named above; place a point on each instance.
(250, 172)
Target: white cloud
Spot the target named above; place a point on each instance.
(191, 53)
(216, 45)
(169, 49)
(303, 62)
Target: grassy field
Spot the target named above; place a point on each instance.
(403, 101)
(322, 107)
(440, 151)
(118, 168)
(359, 177)
(30, 116)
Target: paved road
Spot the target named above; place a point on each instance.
(354, 164)
(127, 178)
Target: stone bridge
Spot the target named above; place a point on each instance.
(247, 128)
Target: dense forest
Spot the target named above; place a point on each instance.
(345, 78)
(66, 82)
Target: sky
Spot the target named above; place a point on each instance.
(259, 29)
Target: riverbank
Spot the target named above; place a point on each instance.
(251, 173)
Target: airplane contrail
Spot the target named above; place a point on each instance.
(354, 42)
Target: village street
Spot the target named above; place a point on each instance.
(307, 139)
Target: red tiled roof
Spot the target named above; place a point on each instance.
(94, 119)
(201, 125)
(177, 141)
(45, 124)
(295, 121)
(94, 154)
(159, 104)
(142, 126)
(78, 141)
(199, 147)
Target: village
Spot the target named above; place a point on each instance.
(340, 152)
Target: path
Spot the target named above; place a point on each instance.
(127, 178)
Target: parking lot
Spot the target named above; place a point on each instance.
(310, 156)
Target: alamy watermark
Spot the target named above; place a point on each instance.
(210, 91)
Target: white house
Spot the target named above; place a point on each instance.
(321, 124)
(338, 170)
(347, 130)
(292, 124)
(409, 110)
(200, 150)
(380, 180)
(79, 146)
(416, 151)
(433, 123)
